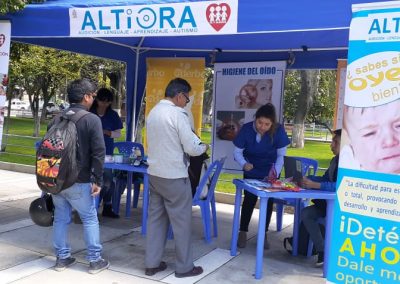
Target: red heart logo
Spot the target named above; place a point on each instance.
(218, 15)
(2, 39)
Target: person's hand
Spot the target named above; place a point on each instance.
(95, 189)
(272, 174)
(107, 132)
(307, 183)
(208, 146)
(248, 167)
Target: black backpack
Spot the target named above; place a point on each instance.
(197, 165)
(56, 157)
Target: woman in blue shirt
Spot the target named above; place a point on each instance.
(259, 145)
(112, 125)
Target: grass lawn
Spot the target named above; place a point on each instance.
(21, 150)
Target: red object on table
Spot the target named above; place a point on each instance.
(286, 185)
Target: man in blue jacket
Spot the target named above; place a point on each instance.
(311, 214)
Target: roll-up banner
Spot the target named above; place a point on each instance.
(367, 208)
(340, 87)
(5, 39)
(162, 70)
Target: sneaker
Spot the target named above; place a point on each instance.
(154, 270)
(62, 264)
(242, 240)
(108, 212)
(98, 266)
(320, 259)
(197, 270)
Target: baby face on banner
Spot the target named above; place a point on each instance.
(374, 134)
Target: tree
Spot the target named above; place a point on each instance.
(291, 92)
(308, 91)
(42, 72)
(323, 108)
(322, 101)
(208, 91)
(10, 6)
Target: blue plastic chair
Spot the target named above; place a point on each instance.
(206, 200)
(120, 185)
(309, 167)
(207, 203)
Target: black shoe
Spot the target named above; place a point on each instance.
(320, 259)
(286, 243)
(98, 266)
(154, 270)
(242, 239)
(108, 212)
(197, 270)
(62, 264)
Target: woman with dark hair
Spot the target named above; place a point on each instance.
(259, 146)
(112, 126)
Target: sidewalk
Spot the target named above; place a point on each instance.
(26, 254)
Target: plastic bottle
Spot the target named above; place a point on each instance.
(138, 153)
(132, 156)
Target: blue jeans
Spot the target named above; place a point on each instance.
(78, 197)
(107, 190)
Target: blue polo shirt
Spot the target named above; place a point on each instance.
(110, 121)
(261, 154)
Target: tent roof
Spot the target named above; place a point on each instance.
(262, 26)
(314, 34)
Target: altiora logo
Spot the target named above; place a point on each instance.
(145, 18)
(218, 15)
(385, 26)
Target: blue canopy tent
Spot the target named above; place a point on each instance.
(312, 34)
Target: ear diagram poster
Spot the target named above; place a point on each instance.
(240, 88)
(366, 226)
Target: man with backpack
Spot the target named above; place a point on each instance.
(89, 153)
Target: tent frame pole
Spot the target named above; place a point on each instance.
(135, 86)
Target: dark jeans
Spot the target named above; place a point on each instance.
(248, 205)
(108, 187)
(309, 217)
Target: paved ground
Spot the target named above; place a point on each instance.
(26, 254)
